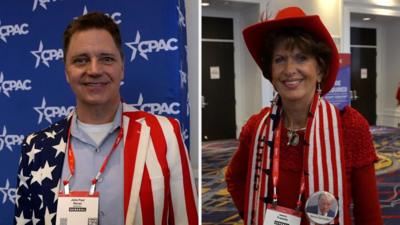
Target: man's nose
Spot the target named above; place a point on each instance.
(94, 67)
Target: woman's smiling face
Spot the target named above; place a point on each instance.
(294, 73)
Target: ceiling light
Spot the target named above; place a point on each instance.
(205, 4)
(366, 18)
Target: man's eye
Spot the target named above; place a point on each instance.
(107, 60)
(80, 61)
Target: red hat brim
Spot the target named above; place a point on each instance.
(254, 37)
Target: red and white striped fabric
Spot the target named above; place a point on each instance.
(159, 186)
(324, 158)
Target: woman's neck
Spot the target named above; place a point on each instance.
(295, 114)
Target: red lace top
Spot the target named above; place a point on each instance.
(359, 157)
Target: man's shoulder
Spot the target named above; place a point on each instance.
(51, 131)
(150, 118)
(312, 209)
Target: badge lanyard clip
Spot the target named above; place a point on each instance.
(66, 184)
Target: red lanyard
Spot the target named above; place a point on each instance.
(275, 168)
(71, 161)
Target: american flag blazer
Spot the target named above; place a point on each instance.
(153, 148)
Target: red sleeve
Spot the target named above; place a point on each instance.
(360, 158)
(236, 172)
(360, 150)
(365, 196)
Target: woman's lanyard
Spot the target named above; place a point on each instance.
(71, 161)
(275, 168)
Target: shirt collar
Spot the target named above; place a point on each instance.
(116, 123)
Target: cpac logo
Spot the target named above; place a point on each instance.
(7, 86)
(8, 193)
(46, 55)
(158, 108)
(42, 3)
(13, 30)
(9, 140)
(50, 112)
(115, 16)
(150, 46)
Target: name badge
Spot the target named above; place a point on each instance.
(78, 208)
(278, 215)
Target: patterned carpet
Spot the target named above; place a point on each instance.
(218, 208)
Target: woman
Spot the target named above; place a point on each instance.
(301, 146)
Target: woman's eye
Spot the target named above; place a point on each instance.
(278, 59)
(301, 57)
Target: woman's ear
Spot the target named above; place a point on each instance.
(320, 76)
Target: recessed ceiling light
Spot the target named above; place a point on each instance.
(366, 18)
(205, 4)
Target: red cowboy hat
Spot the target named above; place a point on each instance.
(255, 34)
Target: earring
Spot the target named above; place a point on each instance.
(319, 90)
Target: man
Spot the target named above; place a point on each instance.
(136, 162)
(324, 206)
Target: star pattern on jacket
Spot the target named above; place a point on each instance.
(39, 175)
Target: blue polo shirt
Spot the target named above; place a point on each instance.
(89, 157)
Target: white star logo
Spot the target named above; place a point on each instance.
(2, 36)
(51, 134)
(47, 170)
(17, 199)
(40, 110)
(133, 45)
(21, 219)
(183, 76)
(60, 147)
(42, 173)
(48, 217)
(55, 191)
(8, 192)
(42, 3)
(139, 102)
(22, 179)
(2, 140)
(34, 219)
(31, 154)
(41, 201)
(1, 80)
(85, 11)
(29, 138)
(38, 54)
(181, 20)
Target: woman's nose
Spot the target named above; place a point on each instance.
(290, 66)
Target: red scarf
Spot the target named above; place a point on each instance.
(323, 158)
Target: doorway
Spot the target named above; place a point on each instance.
(363, 71)
(218, 90)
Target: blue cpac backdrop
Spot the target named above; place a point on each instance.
(33, 90)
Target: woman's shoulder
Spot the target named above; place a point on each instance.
(357, 138)
(352, 120)
(252, 123)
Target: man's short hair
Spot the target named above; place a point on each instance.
(327, 197)
(93, 20)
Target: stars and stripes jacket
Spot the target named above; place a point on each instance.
(158, 183)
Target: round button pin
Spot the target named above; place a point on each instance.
(321, 207)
